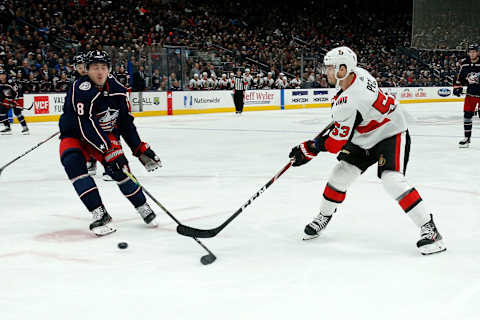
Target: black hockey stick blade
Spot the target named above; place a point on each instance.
(198, 233)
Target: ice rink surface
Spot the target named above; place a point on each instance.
(365, 266)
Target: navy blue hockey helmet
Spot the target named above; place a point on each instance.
(473, 46)
(97, 56)
(79, 59)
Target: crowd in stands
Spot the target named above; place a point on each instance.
(38, 40)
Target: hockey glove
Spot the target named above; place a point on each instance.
(303, 153)
(147, 157)
(114, 161)
(458, 91)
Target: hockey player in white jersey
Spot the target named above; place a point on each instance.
(195, 83)
(280, 83)
(248, 77)
(223, 82)
(296, 82)
(257, 82)
(268, 81)
(369, 127)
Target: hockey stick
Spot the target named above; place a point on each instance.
(14, 106)
(210, 233)
(206, 259)
(28, 151)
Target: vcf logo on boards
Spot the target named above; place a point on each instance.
(41, 104)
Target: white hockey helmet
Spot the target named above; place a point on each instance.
(341, 56)
(195, 75)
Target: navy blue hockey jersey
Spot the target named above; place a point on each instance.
(90, 114)
(469, 76)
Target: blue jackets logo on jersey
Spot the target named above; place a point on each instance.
(108, 119)
(85, 86)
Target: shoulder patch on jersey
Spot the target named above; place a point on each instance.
(85, 86)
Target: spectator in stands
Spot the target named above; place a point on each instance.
(156, 80)
(139, 80)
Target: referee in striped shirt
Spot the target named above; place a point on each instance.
(240, 85)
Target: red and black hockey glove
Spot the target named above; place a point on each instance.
(303, 153)
(114, 160)
(147, 157)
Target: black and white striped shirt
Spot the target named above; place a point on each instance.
(239, 83)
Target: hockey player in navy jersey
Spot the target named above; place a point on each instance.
(469, 75)
(95, 116)
(9, 95)
(79, 65)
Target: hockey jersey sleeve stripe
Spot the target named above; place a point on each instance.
(372, 125)
(410, 200)
(333, 195)
(397, 152)
(333, 145)
(94, 125)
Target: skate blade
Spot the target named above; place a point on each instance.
(107, 178)
(153, 223)
(26, 133)
(103, 230)
(464, 146)
(6, 133)
(435, 247)
(307, 237)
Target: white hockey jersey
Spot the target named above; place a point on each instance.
(195, 84)
(378, 115)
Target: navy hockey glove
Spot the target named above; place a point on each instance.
(115, 162)
(458, 91)
(303, 153)
(147, 157)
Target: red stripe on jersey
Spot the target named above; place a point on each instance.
(333, 145)
(372, 125)
(409, 201)
(397, 151)
(333, 195)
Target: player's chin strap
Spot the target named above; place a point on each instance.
(337, 84)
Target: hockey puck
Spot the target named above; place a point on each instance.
(122, 245)
(207, 259)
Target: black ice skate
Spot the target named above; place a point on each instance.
(6, 130)
(147, 215)
(101, 224)
(25, 130)
(464, 143)
(431, 240)
(313, 229)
